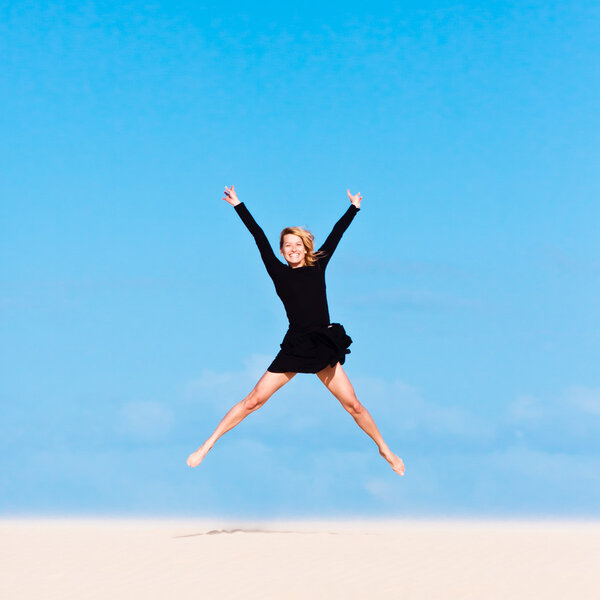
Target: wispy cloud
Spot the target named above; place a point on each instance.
(573, 402)
(565, 421)
(386, 266)
(585, 399)
(558, 260)
(253, 368)
(404, 406)
(525, 408)
(305, 406)
(312, 458)
(412, 299)
(144, 420)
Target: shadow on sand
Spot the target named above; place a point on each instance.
(221, 531)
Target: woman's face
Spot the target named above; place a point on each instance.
(293, 250)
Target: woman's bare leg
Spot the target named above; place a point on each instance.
(339, 385)
(267, 385)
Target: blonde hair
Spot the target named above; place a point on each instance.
(308, 239)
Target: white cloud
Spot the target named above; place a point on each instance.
(405, 406)
(305, 405)
(145, 420)
(208, 381)
(517, 479)
(566, 421)
(403, 413)
(403, 299)
(567, 405)
(255, 365)
(526, 408)
(379, 488)
(585, 399)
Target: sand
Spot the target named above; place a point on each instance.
(435, 560)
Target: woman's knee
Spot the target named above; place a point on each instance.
(353, 406)
(255, 399)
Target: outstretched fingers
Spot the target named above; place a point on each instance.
(354, 198)
(230, 195)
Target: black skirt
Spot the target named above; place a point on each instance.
(312, 351)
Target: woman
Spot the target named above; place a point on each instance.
(312, 344)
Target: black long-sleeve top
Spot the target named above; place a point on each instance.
(302, 289)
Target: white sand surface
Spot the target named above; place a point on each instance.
(88, 559)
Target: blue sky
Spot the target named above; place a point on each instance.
(135, 308)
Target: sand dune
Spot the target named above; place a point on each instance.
(433, 560)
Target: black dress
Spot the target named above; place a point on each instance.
(311, 342)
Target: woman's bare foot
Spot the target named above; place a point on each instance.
(195, 458)
(395, 461)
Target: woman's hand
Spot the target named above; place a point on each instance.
(356, 199)
(231, 196)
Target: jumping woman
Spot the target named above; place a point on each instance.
(312, 343)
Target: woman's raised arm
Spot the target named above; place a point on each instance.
(330, 244)
(266, 252)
